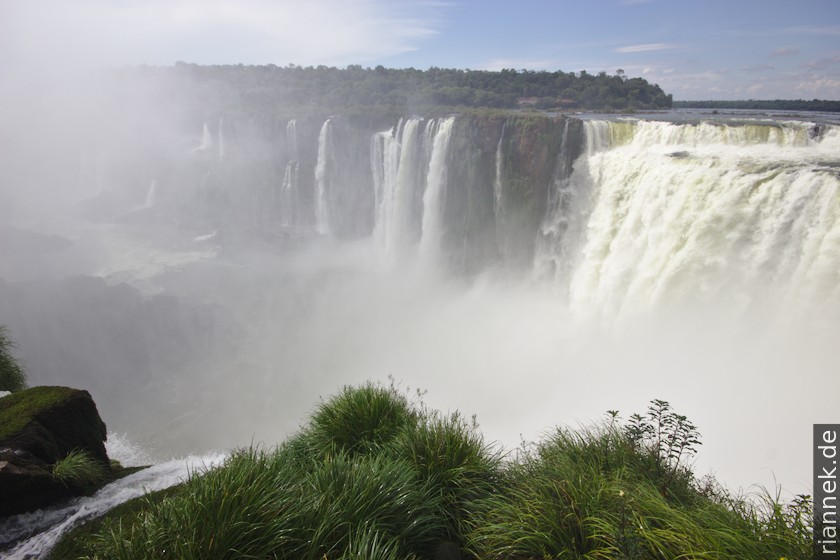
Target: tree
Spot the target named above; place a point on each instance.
(12, 376)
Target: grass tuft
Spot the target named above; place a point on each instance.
(361, 419)
(78, 469)
(12, 374)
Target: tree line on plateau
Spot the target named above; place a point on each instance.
(270, 88)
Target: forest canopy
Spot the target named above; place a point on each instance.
(268, 88)
(764, 104)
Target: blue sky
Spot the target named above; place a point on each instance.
(710, 49)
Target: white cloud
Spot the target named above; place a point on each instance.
(114, 32)
(645, 48)
(784, 52)
(823, 88)
(823, 62)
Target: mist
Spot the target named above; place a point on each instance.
(202, 321)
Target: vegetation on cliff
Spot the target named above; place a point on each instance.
(377, 475)
(79, 469)
(274, 90)
(764, 104)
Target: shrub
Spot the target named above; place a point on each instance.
(664, 443)
(451, 454)
(12, 375)
(361, 419)
(355, 497)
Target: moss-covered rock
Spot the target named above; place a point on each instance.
(38, 428)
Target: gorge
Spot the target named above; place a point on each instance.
(218, 274)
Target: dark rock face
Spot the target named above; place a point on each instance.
(39, 427)
(26, 483)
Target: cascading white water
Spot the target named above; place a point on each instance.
(322, 185)
(384, 161)
(151, 194)
(434, 195)
(399, 163)
(735, 216)
(566, 211)
(497, 184)
(398, 167)
(37, 532)
(429, 139)
(206, 140)
(291, 140)
(288, 190)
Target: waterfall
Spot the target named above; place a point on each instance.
(497, 185)
(288, 194)
(385, 158)
(400, 192)
(399, 161)
(206, 140)
(745, 217)
(288, 190)
(322, 182)
(291, 140)
(151, 194)
(567, 207)
(434, 196)
(608, 226)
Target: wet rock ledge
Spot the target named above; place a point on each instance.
(39, 428)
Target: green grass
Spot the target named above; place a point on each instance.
(595, 493)
(451, 454)
(12, 375)
(361, 420)
(79, 470)
(262, 504)
(19, 409)
(81, 540)
(374, 475)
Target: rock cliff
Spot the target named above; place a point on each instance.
(38, 428)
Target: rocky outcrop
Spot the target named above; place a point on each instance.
(38, 428)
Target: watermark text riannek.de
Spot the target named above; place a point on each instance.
(825, 490)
